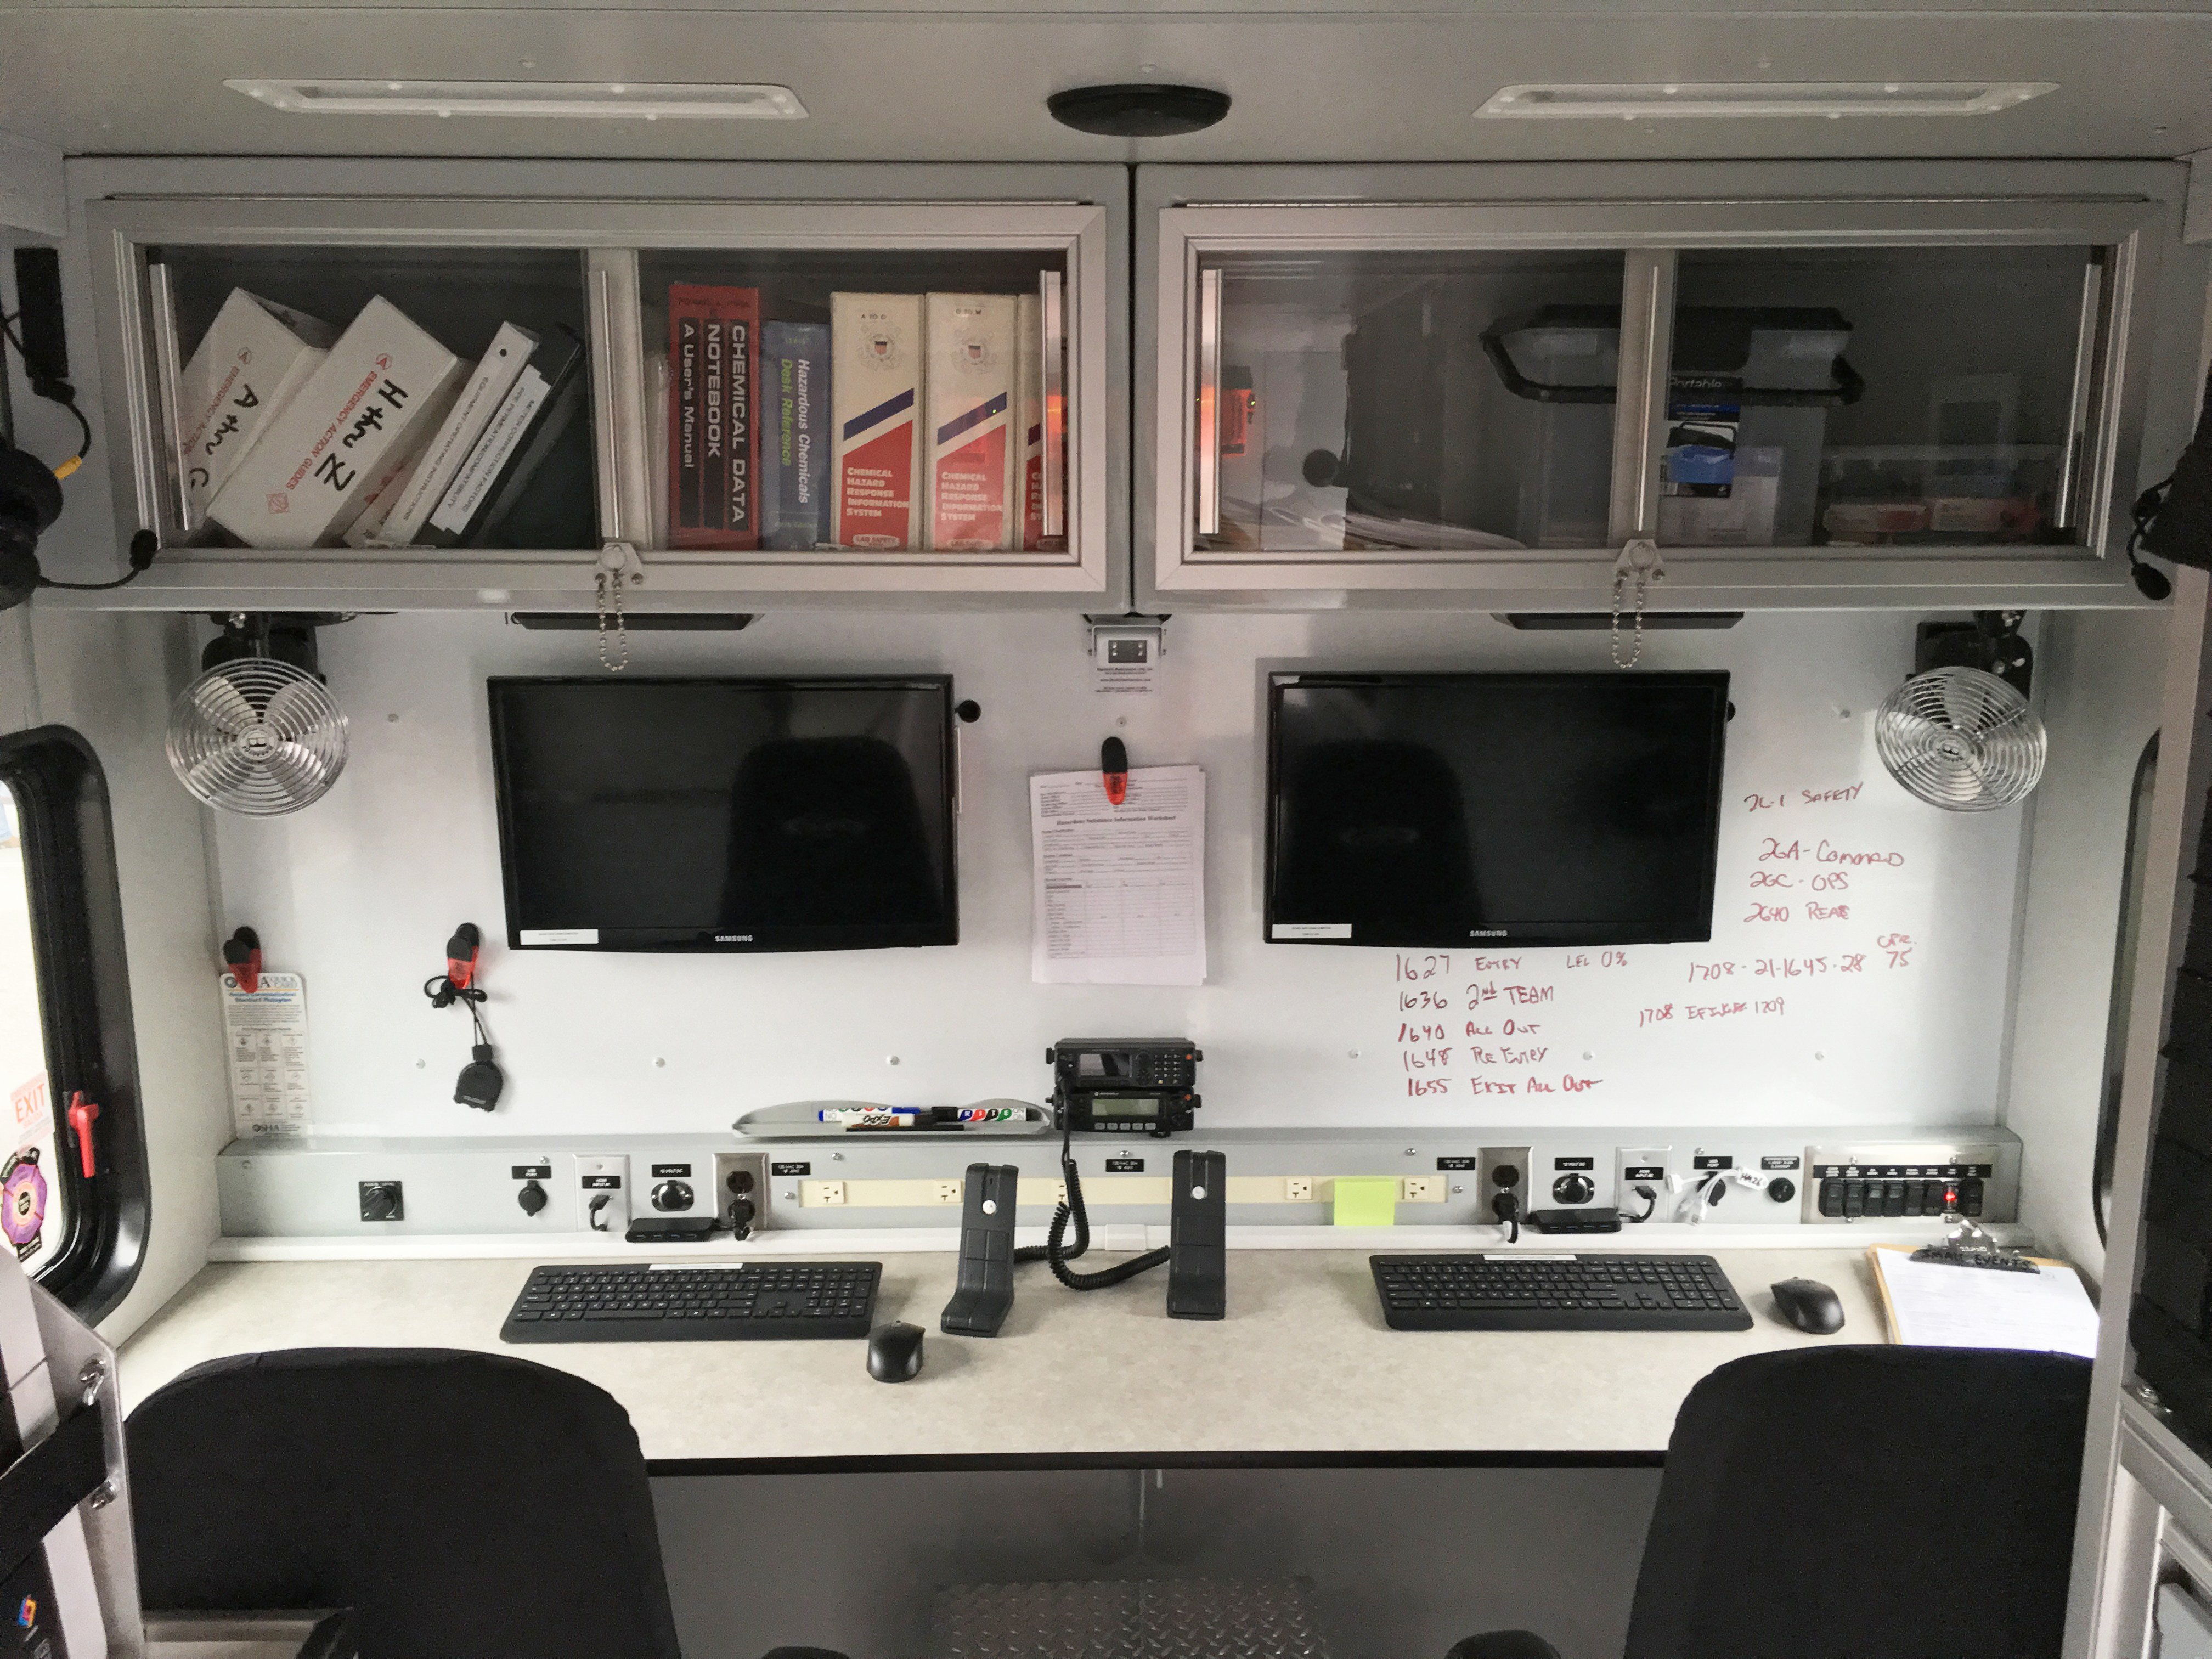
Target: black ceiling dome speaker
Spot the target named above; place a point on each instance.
(1142, 110)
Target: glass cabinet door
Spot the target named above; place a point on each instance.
(839, 401)
(1369, 403)
(263, 346)
(1480, 393)
(838, 398)
(1882, 398)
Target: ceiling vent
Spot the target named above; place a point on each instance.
(563, 100)
(1728, 100)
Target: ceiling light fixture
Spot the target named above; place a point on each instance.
(587, 101)
(1710, 101)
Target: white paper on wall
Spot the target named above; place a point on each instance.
(1118, 892)
(265, 1035)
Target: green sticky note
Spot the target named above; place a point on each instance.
(1367, 1201)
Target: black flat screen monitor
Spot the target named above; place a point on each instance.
(1436, 810)
(726, 814)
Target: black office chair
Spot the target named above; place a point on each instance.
(464, 1505)
(1860, 1502)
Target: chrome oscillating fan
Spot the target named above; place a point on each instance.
(257, 735)
(1961, 739)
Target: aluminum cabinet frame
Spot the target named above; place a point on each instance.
(610, 212)
(1647, 209)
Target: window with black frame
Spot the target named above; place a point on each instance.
(73, 1189)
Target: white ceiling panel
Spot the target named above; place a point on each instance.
(890, 84)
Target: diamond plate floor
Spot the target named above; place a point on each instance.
(1135, 1618)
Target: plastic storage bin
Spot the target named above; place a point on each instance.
(1749, 387)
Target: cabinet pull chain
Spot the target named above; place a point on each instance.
(1639, 558)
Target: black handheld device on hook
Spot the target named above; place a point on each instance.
(481, 1080)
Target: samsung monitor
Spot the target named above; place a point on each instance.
(1429, 811)
(726, 814)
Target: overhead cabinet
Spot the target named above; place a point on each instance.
(1807, 386)
(737, 386)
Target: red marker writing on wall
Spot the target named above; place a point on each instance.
(1114, 769)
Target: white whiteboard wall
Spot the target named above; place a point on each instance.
(360, 891)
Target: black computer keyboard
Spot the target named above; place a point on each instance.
(1526, 1291)
(760, 1300)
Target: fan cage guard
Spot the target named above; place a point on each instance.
(1961, 739)
(256, 736)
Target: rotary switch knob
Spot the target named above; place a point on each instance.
(672, 1195)
(1573, 1189)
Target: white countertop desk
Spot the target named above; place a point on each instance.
(1303, 1371)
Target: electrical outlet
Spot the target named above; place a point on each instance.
(1421, 1189)
(1299, 1189)
(741, 1189)
(603, 1193)
(1500, 1169)
(817, 1192)
(950, 1192)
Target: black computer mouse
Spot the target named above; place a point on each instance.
(1809, 1304)
(895, 1353)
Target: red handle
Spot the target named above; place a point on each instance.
(80, 1115)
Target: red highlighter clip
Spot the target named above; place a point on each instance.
(241, 957)
(461, 955)
(1114, 769)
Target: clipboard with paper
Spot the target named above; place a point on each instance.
(2030, 1303)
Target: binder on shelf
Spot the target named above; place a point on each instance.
(713, 447)
(479, 398)
(1029, 420)
(377, 499)
(254, 357)
(375, 396)
(545, 497)
(794, 469)
(971, 379)
(656, 443)
(384, 490)
(550, 383)
(875, 390)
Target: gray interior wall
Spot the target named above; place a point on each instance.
(2098, 677)
(1403, 1562)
